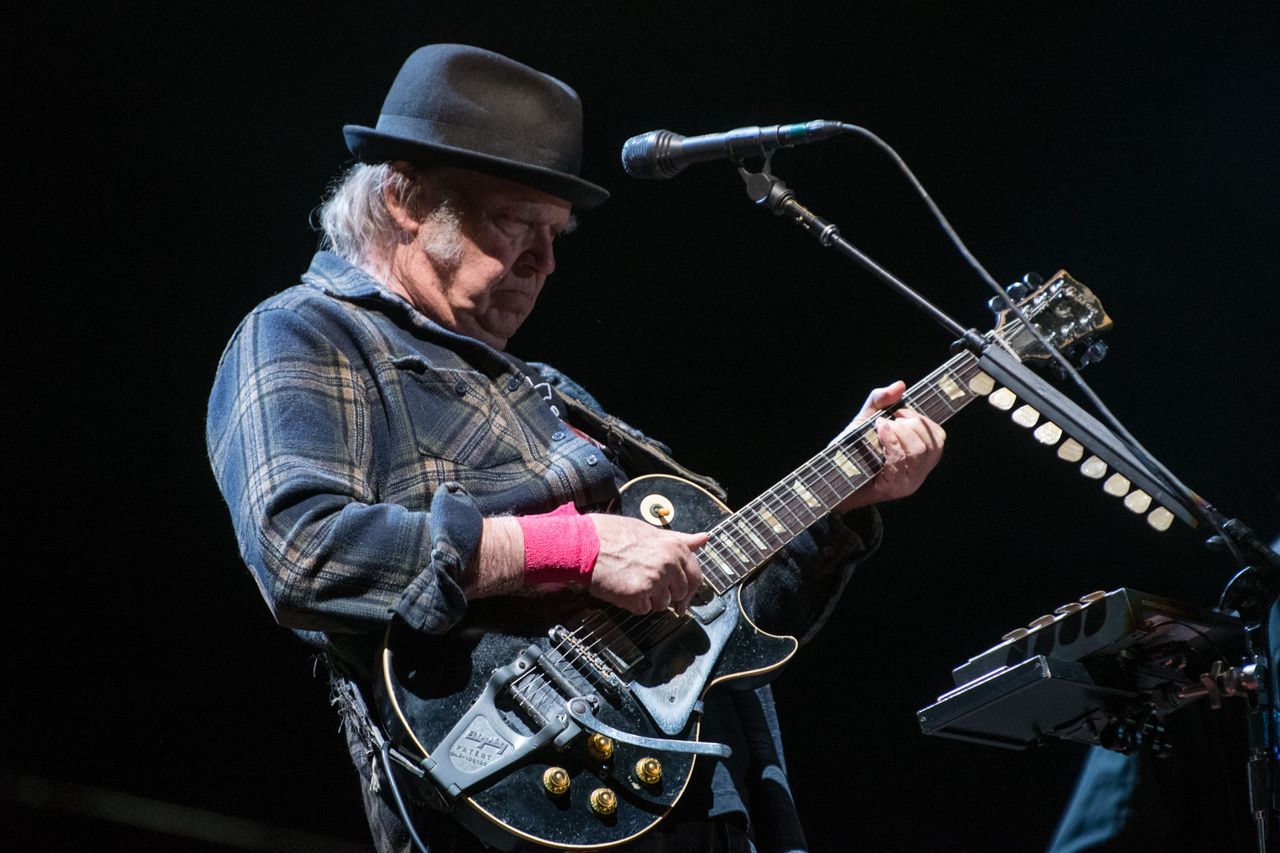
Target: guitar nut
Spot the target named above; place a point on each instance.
(604, 802)
(556, 781)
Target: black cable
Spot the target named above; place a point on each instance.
(1199, 505)
(395, 792)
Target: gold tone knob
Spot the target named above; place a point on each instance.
(604, 801)
(649, 770)
(556, 781)
(600, 747)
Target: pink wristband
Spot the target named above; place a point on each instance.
(560, 546)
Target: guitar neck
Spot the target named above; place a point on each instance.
(750, 537)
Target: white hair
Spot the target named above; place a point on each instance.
(356, 223)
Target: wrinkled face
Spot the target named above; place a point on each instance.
(489, 252)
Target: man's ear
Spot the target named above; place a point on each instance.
(402, 215)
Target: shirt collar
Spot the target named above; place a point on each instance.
(339, 278)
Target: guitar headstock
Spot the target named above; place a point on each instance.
(1066, 312)
(1071, 318)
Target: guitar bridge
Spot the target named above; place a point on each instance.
(574, 654)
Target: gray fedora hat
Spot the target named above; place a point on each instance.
(456, 105)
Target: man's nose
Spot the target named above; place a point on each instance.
(540, 257)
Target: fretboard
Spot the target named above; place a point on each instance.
(746, 540)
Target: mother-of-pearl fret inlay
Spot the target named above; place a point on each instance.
(949, 387)
(745, 530)
(747, 540)
(845, 464)
(714, 556)
(771, 520)
(804, 494)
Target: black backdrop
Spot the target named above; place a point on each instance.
(169, 160)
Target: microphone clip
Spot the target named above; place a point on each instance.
(766, 189)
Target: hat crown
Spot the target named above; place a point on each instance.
(477, 99)
(454, 104)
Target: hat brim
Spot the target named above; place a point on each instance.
(371, 145)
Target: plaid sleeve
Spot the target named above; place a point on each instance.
(290, 441)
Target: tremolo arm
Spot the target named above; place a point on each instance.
(580, 711)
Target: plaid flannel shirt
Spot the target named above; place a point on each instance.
(359, 445)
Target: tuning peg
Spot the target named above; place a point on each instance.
(1017, 291)
(1092, 354)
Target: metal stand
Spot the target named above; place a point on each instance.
(1252, 591)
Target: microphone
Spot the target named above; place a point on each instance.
(662, 154)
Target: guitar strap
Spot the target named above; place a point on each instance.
(636, 453)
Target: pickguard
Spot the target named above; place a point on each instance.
(680, 668)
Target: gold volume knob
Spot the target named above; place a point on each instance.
(600, 747)
(649, 770)
(604, 801)
(556, 781)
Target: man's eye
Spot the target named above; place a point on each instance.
(511, 226)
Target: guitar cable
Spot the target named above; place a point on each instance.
(1158, 471)
(387, 760)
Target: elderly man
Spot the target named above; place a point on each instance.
(384, 458)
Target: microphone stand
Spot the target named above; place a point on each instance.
(1252, 591)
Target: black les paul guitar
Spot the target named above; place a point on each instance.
(582, 732)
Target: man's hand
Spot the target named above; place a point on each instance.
(642, 568)
(912, 445)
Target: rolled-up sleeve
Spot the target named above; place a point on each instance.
(290, 437)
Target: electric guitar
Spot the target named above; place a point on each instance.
(581, 733)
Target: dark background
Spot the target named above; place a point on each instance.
(168, 159)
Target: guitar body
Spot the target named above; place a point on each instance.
(544, 723)
(484, 705)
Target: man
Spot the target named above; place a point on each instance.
(382, 456)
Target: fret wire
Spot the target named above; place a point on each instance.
(795, 505)
(725, 537)
(719, 570)
(732, 529)
(741, 525)
(824, 468)
(731, 564)
(840, 489)
(780, 503)
(825, 480)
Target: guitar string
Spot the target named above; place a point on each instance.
(818, 469)
(726, 529)
(809, 475)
